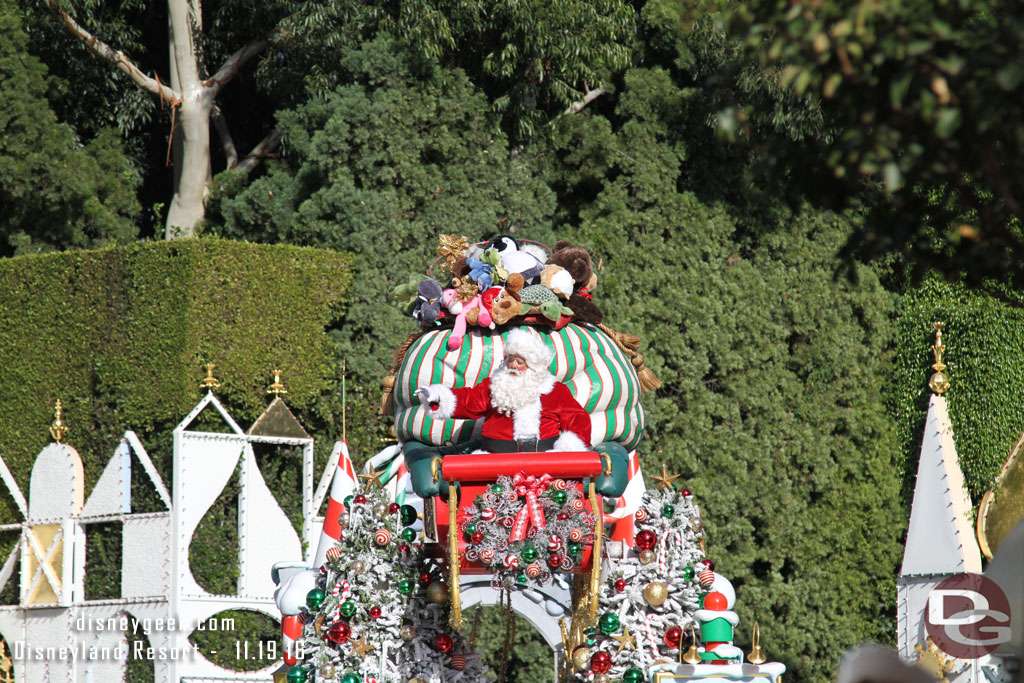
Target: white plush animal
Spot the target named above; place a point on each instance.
(516, 260)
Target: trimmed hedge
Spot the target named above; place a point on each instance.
(984, 335)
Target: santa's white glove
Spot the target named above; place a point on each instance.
(428, 395)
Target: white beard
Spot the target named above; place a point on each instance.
(511, 392)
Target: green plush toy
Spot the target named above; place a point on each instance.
(406, 293)
(553, 310)
(492, 257)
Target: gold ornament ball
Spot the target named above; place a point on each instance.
(601, 678)
(327, 671)
(581, 658)
(407, 632)
(646, 556)
(417, 680)
(655, 593)
(437, 592)
(358, 567)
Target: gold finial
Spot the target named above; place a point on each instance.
(58, 429)
(932, 660)
(692, 656)
(756, 655)
(939, 382)
(209, 382)
(277, 388)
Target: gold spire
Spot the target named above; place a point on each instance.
(58, 429)
(277, 388)
(209, 382)
(939, 381)
(756, 655)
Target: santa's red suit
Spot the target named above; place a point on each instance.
(555, 419)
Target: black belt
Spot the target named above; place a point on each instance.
(517, 445)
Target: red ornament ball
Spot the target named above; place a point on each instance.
(443, 643)
(673, 636)
(403, 551)
(600, 662)
(426, 578)
(686, 492)
(375, 612)
(562, 516)
(338, 632)
(394, 507)
(620, 585)
(477, 537)
(646, 539)
(359, 499)
(555, 561)
(716, 601)
(708, 563)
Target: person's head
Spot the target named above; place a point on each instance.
(523, 375)
(524, 349)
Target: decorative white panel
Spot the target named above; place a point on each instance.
(204, 465)
(146, 556)
(112, 494)
(264, 532)
(56, 488)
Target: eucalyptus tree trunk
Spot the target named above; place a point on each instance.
(191, 99)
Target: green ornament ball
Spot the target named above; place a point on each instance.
(296, 674)
(688, 573)
(348, 502)
(575, 548)
(559, 497)
(667, 510)
(405, 586)
(351, 678)
(632, 675)
(408, 534)
(530, 553)
(471, 527)
(608, 623)
(347, 609)
(407, 513)
(591, 636)
(315, 598)
(497, 488)
(521, 579)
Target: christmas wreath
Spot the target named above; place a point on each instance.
(526, 528)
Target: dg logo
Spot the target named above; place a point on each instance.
(968, 616)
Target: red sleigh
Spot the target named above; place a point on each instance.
(467, 475)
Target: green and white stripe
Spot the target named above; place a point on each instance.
(596, 371)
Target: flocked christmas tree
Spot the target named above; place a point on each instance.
(379, 612)
(648, 598)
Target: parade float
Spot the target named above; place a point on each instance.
(613, 576)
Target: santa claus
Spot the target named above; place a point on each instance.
(524, 408)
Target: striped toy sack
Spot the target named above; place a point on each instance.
(597, 369)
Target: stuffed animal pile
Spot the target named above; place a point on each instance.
(502, 281)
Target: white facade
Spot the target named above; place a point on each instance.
(157, 586)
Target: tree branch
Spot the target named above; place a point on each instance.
(260, 152)
(232, 66)
(224, 133)
(115, 57)
(577, 107)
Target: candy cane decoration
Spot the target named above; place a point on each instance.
(650, 636)
(344, 485)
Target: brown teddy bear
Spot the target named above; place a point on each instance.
(577, 261)
(507, 304)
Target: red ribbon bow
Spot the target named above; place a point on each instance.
(532, 513)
